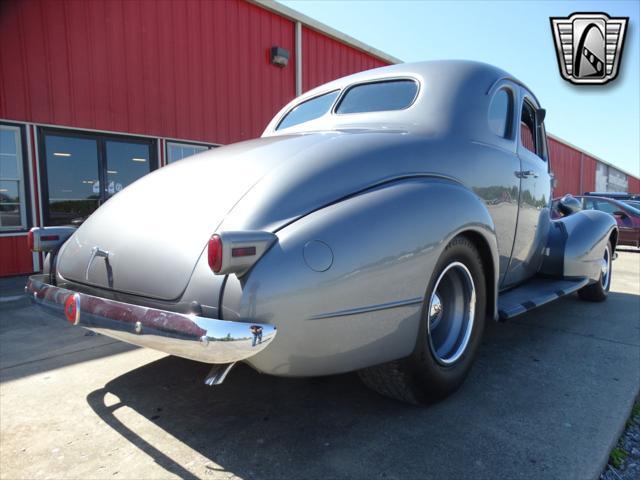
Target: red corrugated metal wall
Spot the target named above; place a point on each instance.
(193, 70)
(15, 257)
(565, 164)
(588, 174)
(325, 59)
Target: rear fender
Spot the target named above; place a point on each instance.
(576, 243)
(346, 283)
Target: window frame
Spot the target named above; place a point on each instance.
(184, 143)
(348, 88)
(24, 188)
(537, 141)
(101, 139)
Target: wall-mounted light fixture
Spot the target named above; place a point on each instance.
(279, 56)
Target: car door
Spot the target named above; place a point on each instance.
(535, 191)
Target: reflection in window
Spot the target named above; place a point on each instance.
(13, 213)
(500, 113)
(178, 151)
(379, 97)
(72, 177)
(309, 110)
(126, 162)
(607, 207)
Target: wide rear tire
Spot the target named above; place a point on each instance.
(451, 327)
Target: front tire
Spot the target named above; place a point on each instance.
(598, 291)
(451, 326)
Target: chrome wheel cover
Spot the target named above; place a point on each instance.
(451, 313)
(605, 266)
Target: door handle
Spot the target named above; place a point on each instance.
(526, 174)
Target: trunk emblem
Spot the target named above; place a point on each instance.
(98, 252)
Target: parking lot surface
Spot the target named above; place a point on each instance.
(547, 398)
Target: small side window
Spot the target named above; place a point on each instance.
(309, 110)
(378, 97)
(500, 113)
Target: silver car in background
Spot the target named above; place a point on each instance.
(375, 225)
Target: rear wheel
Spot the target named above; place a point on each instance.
(451, 327)
(598, 291)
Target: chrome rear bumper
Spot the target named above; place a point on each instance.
(197, 338)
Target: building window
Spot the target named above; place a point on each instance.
(177, 150)
(13, 209)
(82, 171)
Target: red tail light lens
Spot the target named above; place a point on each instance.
(214, 253)
(72, 309)
(30, 241)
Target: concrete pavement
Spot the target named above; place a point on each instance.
(547, 398)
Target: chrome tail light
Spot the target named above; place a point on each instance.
(237, 252)
(47, 239)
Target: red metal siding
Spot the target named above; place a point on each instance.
(325, 59)
(15, 257)
(565, 164)
(634, 185)
(588, 174)
(193, 70)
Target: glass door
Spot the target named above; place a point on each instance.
(72, 179)
(80, 171)
(126, 162)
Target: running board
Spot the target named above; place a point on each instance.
(535, 293)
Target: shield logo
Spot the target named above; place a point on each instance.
(589, 46)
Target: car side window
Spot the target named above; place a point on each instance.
(378, 97)
(528, 128)
(588, 204)
(500, 113)
(309, 110)
(606, 207)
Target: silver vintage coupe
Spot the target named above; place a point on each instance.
(375, 225)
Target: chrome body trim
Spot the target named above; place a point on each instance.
(197, 338)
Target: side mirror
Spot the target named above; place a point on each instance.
(541, 114)
(569, 204)
(554, 180)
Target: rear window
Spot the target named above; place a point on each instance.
(309, 110)
(378, 96)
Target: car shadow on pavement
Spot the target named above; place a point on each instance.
(252, 424)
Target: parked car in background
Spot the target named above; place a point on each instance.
(614, 195)
(627, 217)
(375, 225)
(626, 213)
(634, 203)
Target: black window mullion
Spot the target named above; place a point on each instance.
(102, 168)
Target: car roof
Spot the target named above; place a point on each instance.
(451, 92)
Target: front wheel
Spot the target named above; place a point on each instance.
(451, 326)
(598, 291)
